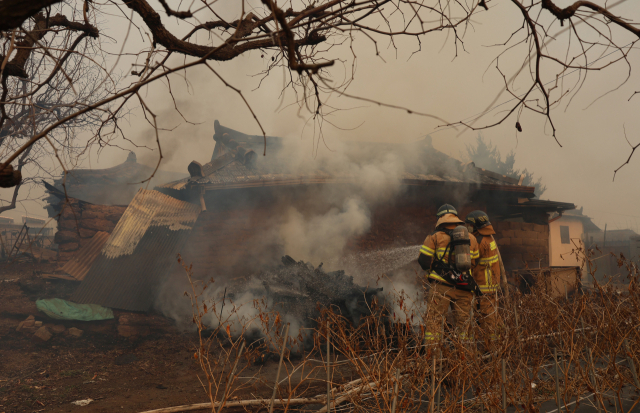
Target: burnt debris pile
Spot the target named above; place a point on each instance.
(297, 288)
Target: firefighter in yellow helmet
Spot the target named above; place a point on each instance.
(448, 285)
(486, 272)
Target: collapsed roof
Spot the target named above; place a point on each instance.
(139, 251)
(111, 186)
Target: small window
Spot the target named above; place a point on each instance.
(564, 234)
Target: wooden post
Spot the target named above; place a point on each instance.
(275, 386)
(233, 372)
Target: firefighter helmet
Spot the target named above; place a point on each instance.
(449, 219)
(478, 219)
(446, 209)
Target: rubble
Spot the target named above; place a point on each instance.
(297, 288)
(57, 329)
(75, 332)
(42, 334)
(27, 325)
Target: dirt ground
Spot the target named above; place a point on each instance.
(119, 374)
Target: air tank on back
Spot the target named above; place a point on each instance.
(462, 248)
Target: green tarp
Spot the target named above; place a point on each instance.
(66, 310)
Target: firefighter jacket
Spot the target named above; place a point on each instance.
(435, 246)
(486, 272)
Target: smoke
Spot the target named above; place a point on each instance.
(322, 236)
(315, 223)
(318, 229)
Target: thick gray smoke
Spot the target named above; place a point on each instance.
(318, 228)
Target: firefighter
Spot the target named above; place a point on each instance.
(436, 258)
(486, 272)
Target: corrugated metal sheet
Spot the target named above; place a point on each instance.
(81, 262)
(139, 252)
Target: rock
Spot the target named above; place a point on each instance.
(42, 334)
(63, 237)
(38, 324)
(69, 246)
(87, 233)
(29, 322)
(98, 224)
(75, 332)
(57, 329)
(91, 213)
(20, 325)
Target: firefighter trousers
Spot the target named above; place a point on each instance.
(487, 314)
(439, 298)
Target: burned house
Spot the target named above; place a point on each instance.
(233, 215)
(89, 201)
(241, 193)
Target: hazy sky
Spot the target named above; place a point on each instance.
(433, 80)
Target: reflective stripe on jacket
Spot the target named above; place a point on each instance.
(436, 245)
(486, 272)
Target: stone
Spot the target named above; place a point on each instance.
(71, 214)
(91, 213)
(69, 224)
(42, 334)
(75, 332)
(64, 236)
(29, 321)
(87, 233)
(98, 224)
(57, 329)
(69, 246)
(20, 325)
(37, 324)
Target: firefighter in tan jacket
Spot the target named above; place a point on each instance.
(486, 272)
(435, 256)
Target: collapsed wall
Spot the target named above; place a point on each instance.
(78, 221)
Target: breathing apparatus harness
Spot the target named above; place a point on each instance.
(455, 270)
